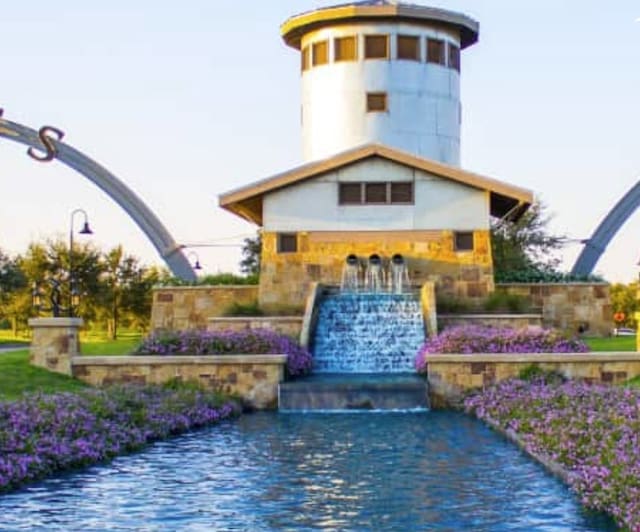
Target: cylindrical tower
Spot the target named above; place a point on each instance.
(381, 72)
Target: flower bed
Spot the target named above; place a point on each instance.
(593, 432)
(43, 434)
(250, 342)
(468, 339)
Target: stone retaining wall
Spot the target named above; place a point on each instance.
(451, 376)
(179, 308)
(574, 307)
(254, 378)
(516, 321)
(288, 325)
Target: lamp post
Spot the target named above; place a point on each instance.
(196, 263)
(74, 294)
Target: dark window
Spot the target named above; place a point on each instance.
(375, 193)
(304, 58)
(350, 193)
(454, 57)
(376, 46)
(401, 192)
(435, 51)
(408, 47)
(287, 243)
(376, 102)
(320, 53)
(345, 49)
(463, 241)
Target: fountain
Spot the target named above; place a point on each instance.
(364, 344)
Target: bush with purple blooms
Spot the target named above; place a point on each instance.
(43, 434)
(468, 339)
(250, 342)
(593, 432)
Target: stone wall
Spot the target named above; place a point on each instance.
(254, 378)
(288, 325)
(286, 278)
(450, 376)
(190, 307)
(54, 343)
(575, 307)
(516, 321)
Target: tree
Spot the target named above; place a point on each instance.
(624, 300)
(525, 245)
(251, 250)
(12, 280)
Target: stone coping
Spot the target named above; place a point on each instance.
(596, 356)
(485, 315)
(572, 283)
(240, 319)
(56, 322)
(144, 360)
(205, 287)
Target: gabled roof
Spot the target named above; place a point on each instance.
(506, 200)
(294, 28)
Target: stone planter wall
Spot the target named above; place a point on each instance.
(288, 325)
(190, 307)
(451, 376)
(574, 307)
(517, 321)
(254, 378)
(54, 343)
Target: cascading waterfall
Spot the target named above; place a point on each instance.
(399, 275)
(351, 275)
(374, 275)
(367, 333)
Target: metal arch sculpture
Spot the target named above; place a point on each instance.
(596, 245)
(48, 141)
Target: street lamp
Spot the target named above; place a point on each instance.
(74, 293)
(196, 264)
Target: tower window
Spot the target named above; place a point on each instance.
(378, 193)
(435, 51)
(401, 192)
(454, 57)
(375, 193)
(304, 59)
(376, 46)
(376, 102)
(287, 243)
(320, 53)
(408, 47)
(345, 49)
(463, 241)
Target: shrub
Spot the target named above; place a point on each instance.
(212, 280)
(43, 434)
(501, 301)
(243, 309)
(592, 431)
(251, 342)
(468, 339)
(534, 275)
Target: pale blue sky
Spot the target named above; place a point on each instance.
(185, 100)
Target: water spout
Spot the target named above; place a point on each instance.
(350, 275)
(399, 275)
(374, 275)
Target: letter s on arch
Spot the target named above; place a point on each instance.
(46, 133)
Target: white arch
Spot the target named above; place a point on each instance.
(146, 220)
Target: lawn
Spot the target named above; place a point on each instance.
(614, 343)
(99, 346)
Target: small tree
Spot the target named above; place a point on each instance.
(525, 245)
(251, 250)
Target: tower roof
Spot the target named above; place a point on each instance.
(295, 27)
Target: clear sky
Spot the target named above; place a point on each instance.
(186, 100)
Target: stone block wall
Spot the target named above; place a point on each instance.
(55, 341)
(288, 325)
(286, 278)
(254, 378)
(515, 321)
(190, 307)
(451, 376)
(575, 307)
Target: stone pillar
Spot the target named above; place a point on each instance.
(54, 343)
(428, 303)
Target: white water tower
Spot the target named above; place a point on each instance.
(381, 72)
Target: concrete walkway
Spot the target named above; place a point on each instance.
(8, 348)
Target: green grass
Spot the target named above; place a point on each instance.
(99, 346)
(17, 377)
(615, 343)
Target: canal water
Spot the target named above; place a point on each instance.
(270, 471)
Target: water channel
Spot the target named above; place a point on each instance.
(270, 471)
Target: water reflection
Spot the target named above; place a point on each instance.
(434, 471)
